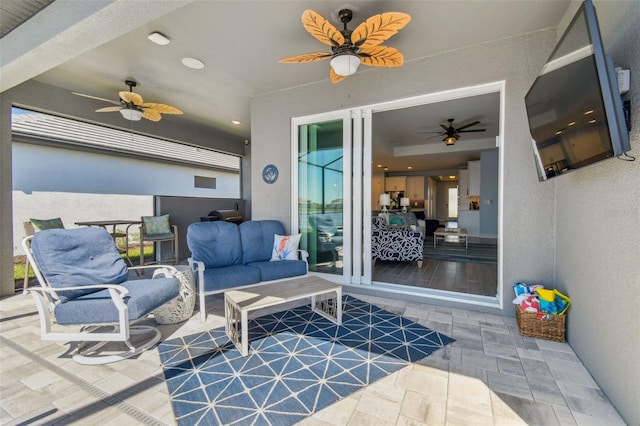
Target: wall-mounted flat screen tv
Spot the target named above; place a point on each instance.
(574, 106)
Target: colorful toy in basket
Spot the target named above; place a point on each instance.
(552, 301)
(530, 303)
(523, 288)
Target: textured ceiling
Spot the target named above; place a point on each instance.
(240, 43)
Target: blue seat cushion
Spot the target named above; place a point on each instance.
(257, 239)
(77, 257)
(216, 244)
(151, 237)
(217, 279)
(281, 269)
(145, 296)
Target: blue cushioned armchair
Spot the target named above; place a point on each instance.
(395, 243)
(85, 282)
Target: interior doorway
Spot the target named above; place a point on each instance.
(410, 140)
(452, 202)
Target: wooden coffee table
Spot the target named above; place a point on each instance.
(461, 233)
(326, 300)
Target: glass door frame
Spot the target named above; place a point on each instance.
(347, 185)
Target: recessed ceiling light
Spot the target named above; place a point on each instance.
(193, 63)
(588, 112)
(452, 177)
(158, 38)
(235, 122)
(409, 167)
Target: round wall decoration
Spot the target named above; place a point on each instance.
(270, 174)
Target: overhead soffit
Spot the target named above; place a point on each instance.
(15, 12)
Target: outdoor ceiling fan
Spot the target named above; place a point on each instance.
(351, 48)
(132, 107)
(452, 134)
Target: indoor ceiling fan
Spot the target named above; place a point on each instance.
(451, 133)
(132, 107)
(351, 48)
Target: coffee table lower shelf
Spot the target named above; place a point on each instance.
(326, 300)
(457, 234)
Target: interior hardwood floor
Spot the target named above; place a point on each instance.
(447, 267)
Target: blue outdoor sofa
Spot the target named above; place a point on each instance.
(225, 256)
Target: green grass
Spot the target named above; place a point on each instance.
(134, 255)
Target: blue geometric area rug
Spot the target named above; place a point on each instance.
(298, 363)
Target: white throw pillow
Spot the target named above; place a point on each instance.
(285, 247)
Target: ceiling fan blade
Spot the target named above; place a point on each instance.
(321, 29)
(424, 133)
(335, 78)
(151, 115)
(381, 56)
(97, 98)
(160, 108)
(435, 136)
(468, 125)
(306, 57)
(446, 129)
(471, 131)
(378, 28)
(131, 97)
(109, 109)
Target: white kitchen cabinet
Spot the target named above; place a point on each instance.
(395, 183)
(415, 188)
(473, 167)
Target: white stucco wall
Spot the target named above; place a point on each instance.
(75, 207)
(78, 186)
(598, 239)
(593, 229)
(41, 168)
(528, 206)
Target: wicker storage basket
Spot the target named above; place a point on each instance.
(552, 328)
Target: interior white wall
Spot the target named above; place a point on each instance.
(598, 239)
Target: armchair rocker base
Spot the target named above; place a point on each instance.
(88, 352)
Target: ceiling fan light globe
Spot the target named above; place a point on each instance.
(131, 114)
(345, 64)
(450, 140)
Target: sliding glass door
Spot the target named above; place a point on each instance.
(321, 162)
(332, 162)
